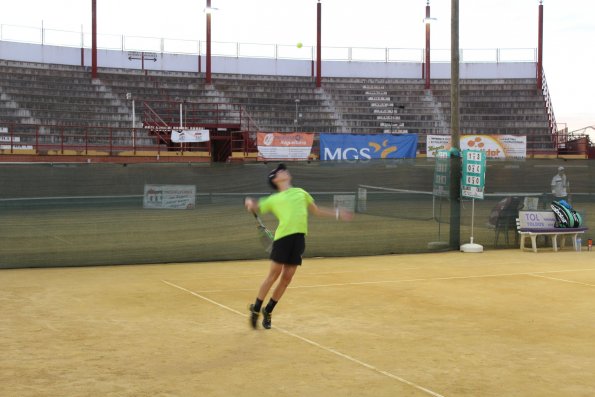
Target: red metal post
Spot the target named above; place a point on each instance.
(427, 72)
(540, 48)
(208, 76)
(318, 44)
(94, 39)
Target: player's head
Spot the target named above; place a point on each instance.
(277, 175)
(560, 170)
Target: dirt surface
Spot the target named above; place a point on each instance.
(500, 323)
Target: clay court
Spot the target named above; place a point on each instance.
(446, 324)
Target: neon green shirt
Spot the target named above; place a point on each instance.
(290, 207)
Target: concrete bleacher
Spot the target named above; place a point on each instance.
(48, 94)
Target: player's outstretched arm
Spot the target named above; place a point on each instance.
(337, 213)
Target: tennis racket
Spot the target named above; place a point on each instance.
(264, 235)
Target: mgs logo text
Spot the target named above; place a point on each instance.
(365, 153)
(367, 147)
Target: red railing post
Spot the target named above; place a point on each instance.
(62, 140)
(11, 140)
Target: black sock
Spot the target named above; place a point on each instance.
(257, 305)
(270, 306)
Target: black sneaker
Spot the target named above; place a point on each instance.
(253, 316)
(266, 321)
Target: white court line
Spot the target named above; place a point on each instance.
(61, 239)
(409, 280)
(439, 278)
(561, 279)
(302, 275)
(311, 342)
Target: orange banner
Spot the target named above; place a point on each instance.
(284, 145)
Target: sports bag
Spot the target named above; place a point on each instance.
(566, 216)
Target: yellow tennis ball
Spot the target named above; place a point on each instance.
(300, 45)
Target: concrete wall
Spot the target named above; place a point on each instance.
(261, 66)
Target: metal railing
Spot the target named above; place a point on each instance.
(549, 108)
(43, 139)
(60, 139)
(81, 39)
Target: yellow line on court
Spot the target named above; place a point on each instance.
(315, 344)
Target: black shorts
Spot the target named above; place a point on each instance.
(288, 250)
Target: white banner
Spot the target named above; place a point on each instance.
(183, 136)
(179, 197)
(495, 146)
(15, 139)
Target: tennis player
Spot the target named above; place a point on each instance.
(291, 206)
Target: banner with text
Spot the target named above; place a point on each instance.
(495, 146)
(367, 147)
(284, 146)
(178, 197)
(183, 136)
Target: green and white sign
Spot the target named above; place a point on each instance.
(474, 170)
(442, 174)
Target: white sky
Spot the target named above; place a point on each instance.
(569, 29)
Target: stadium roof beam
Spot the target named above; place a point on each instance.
(318, 44)
(94, 39)
(540, 48)
(427, 21)
(208, 12)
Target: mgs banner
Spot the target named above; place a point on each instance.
(367, 147)
(284, 146)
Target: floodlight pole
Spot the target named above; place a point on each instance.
(540, 48)
(318, 44)
(427, 20)
(455, 158)
(94, 39)
(208, 79)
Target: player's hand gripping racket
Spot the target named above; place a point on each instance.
(265, 236)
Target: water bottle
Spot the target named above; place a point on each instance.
(579, 242)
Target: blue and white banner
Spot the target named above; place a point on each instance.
(367, 147)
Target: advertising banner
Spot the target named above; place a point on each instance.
(284, 146)
(494, 146)
(178, 197)
(183, 136)
(367, 146)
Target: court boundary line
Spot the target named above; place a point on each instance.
(563, 280)
(412, 280)
(313, 343)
